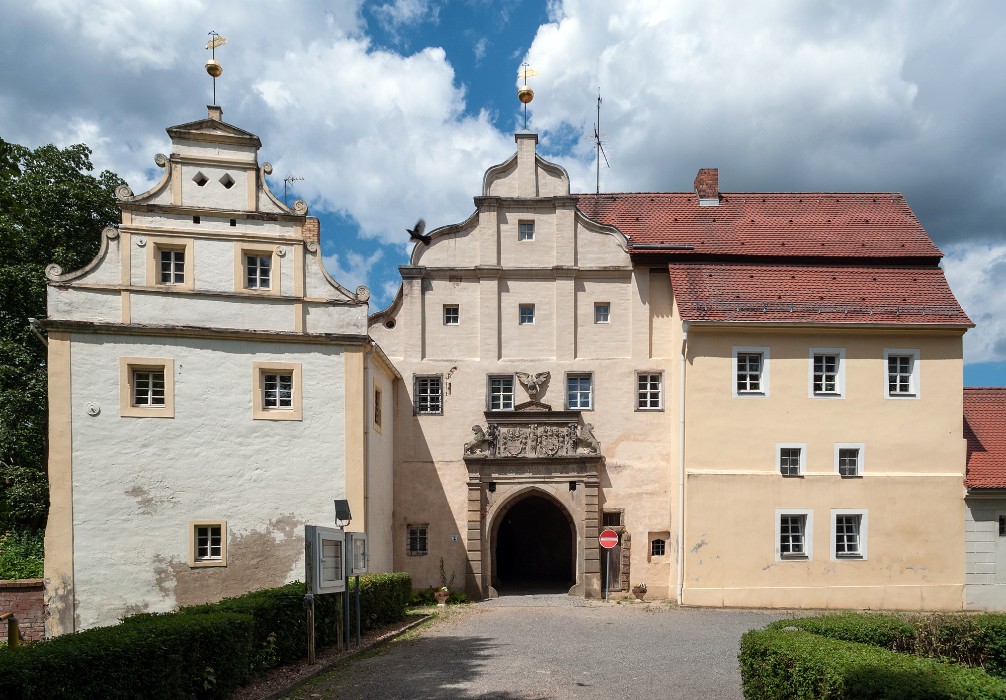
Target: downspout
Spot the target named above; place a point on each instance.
(681, 464)
(33, 324)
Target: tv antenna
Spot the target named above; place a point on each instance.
(598, 145)
(525, 94)
(213, 66)
(286, 184)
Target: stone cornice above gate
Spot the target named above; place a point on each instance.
(548, 438)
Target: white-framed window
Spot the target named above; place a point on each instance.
(602, 312)
(147, 387)
(428, 394)
(171, 266)
(258, 271)
(827, 372)
(257, 268)
(750, 371)
(849, 458)
(579, 392)
(500, 393)
(794, 534)
(277, 389)
(526, 314)
(525, 231)
(790, 458)
(848, 533)
(452, 314)
(417, 540)
(649, 391)
(902, 374)
(658, 547)
(207, 543)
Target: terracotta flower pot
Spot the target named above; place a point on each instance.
(441, 597)
(639, 593)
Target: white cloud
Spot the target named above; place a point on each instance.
(351, 269)
(394, 16)
(977, 274)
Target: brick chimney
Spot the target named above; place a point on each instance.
(707, 187)
(312, 229)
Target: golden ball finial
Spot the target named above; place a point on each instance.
(214, 68)
(525, 94)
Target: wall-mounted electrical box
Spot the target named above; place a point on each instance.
(325, 559)
(356, 542)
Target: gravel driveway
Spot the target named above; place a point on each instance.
(554, 647)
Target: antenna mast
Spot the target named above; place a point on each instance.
(286, 184)
(597, 144)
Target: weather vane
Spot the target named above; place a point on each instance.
(213, 66)
(525, 94)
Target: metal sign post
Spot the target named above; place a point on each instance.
(608, 539)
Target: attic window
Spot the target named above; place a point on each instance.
(227, 181)
(200, 179)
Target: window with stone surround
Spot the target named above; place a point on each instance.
(525, 231)
(277, 391)
(500, 393)
(207, 543)
(147, 387)
(428, 393)
(416, 542)
(579, 392)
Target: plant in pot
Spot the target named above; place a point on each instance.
(442, 594)
(639, 590)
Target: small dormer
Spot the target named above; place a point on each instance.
(707, 187)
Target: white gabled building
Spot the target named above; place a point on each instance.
(212, 390)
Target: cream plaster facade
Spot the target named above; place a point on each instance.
(214, 290)
(694, 487)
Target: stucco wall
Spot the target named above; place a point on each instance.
(985, 553)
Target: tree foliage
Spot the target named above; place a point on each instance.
(52, 210)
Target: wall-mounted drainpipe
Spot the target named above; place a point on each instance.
(33, 324)
(681, 463)
(13, 633)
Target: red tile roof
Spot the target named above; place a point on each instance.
(815, 294)
(790, 224)
(985, 430)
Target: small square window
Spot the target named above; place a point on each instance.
(789, 459)
(579, 392)
(452, 314)
(649, 391)
(417, 541)
(902, 373)
(207, 543)
(849, 459)
(525, 231)
(501, 393)
(526, 314)
(146, 387)
(750, 367)
(602, 312)
(428, 395)
(169, 262)
(277, 391)
(658, 548)
(848, 539)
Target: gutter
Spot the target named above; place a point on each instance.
(659, 246)
(681, 465)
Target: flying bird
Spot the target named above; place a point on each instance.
(416, 232)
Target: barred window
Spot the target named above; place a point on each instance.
(428, 393)
(416, 541)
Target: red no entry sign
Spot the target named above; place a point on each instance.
(608, 539)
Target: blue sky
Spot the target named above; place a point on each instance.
(391, 110)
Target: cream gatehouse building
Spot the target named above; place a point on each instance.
(760, 392)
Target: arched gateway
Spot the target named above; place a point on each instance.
(533, 504)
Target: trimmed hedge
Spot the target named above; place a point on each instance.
(170, 656)
(383, 598)
(777, 664)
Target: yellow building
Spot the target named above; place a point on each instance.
(761, 393)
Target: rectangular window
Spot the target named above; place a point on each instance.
(825, 374)
(611, 518)
(657, 548)
(794, 533)
(258, 271)
(207, 543)
(172, 265)
(790, 459)
(452, 314)
(849, 459)
(501, 393)
(849, 534)
(526, 314)
(277, 387)
(649, 391)
(750, 368)
(602, 312)
(417, 544)
(147, 387)
(428, 395)
(578, 392)
(377, 407)
(525, 231)
(902, 373)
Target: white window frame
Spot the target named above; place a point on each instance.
(195, 559)
(452, 314)
(839, 354)
(128, 368)
(272, 407)
(589, 376)
(763, 380)
(645, 395)
(914, 378)
(506, 398)
(525, 230)
(176, 266)
(861, 458)
(802, 447)
(418, 408)
(863, 529)
(808, 534)
(602, 312)
(525, 314)
(424, 537)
